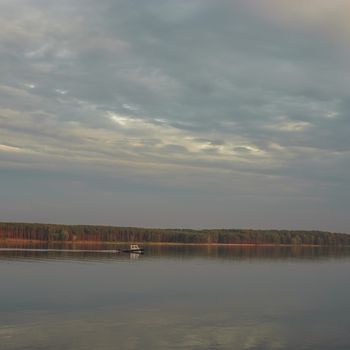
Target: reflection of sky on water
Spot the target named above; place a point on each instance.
(184, 303)
(155, 331)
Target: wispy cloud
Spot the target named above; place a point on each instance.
(285, 124)
(7, 148)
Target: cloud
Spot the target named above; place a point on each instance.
(284, 124)
(235, 88)
(327, 17)
(7, 148)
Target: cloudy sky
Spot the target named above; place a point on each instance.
(176, 113)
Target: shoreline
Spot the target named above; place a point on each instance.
(245, 245)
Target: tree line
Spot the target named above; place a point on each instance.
(71, 233)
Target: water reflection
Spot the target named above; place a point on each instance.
(174, 298)
(105, 251)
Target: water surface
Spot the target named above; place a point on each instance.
(174, 298)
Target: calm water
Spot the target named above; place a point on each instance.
(175, 298)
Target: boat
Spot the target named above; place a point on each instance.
(134, 248)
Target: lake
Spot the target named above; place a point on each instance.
(174, 298)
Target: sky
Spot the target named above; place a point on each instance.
(186, 113)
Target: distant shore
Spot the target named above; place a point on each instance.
(90, 234)
(247, 245)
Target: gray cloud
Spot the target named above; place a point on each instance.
(212, 96)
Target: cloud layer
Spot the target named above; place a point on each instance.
(187, 101)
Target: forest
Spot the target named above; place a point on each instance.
(86, 233)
